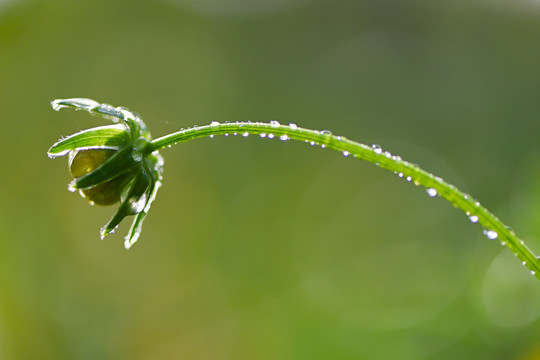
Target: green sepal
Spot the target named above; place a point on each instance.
(123, 161)
(130, 119)
(88, 105)
(134, 203)
(104, 137)
(156, 164)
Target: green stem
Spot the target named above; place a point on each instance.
(493, 227)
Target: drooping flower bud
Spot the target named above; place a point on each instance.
(111, 164)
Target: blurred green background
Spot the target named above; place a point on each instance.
(258, 249)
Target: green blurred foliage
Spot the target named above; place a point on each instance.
(257, 249)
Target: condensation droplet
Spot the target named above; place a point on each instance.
(312, 143)
(473, 218)
(284, 138)
(263, 135)
(274, 123)
(270, 136)
(226, 134)
(400, 175)
(346, 153)
(533, 272)
(293, 126)
(214, 124)
(431, 192)
(377, 149)
(326, 132)
(491, 234)
(211, 135)
(323, 146)
(246, 134)
(409, 179)
(71, 186)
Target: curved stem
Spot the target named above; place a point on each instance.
(493, 227)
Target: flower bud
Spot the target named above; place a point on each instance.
(112, 164)
(83, 162)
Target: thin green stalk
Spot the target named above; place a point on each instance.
(493, 227)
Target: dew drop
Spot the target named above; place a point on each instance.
(431, 192)
(473, 219)
(524, 263)
(346, 153)
(211, 135)
(293, 126)
(246, 134)
(533, 272)
(312, 143)
(283, 138)
(491, 234)
(387, 154)
(274, 123)
(71, 187)
(270, 136)
(214, 124)
(235, 133)
(326, 132)
(400, 175)
(263, 135)
(323, 146)
(57, 106)
(227, 134)
(377, 149)
(408, 178)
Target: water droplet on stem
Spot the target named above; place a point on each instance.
(431, 192)
(491, 234)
